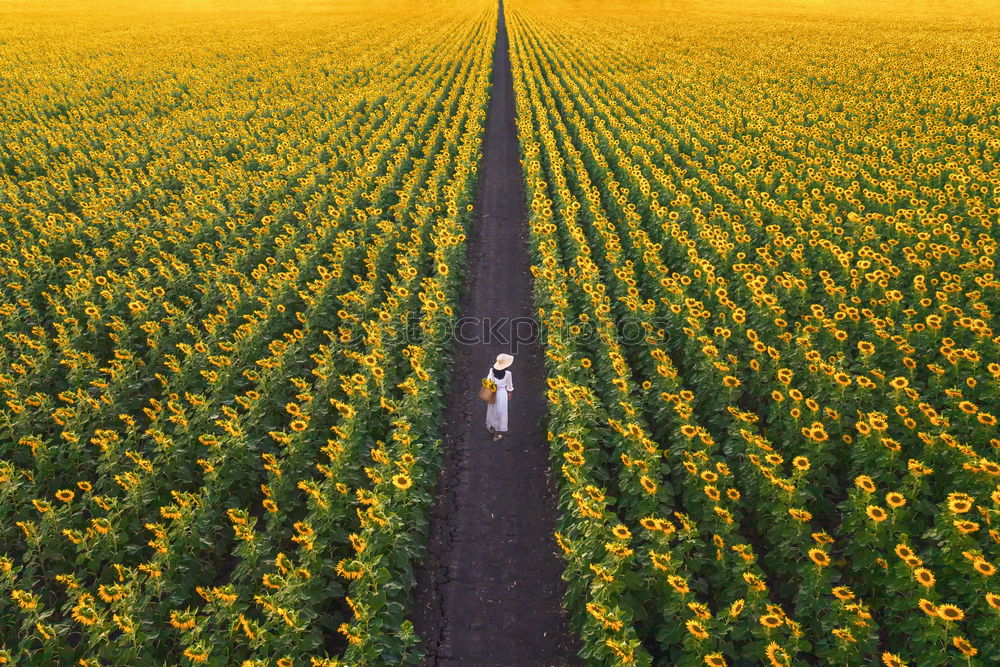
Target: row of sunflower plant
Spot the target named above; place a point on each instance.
(226, 292)
(768, 296)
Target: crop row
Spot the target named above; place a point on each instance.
(216, 444)
(795, 460)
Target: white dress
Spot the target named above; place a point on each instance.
(496, 413)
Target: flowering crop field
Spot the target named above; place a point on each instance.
(214, 218)
(795, 205)
(763, 238)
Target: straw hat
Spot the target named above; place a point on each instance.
(503, 361)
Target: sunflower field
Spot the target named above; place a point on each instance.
(216, 445)
(764, 242)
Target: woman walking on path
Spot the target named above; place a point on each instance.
(496, 412)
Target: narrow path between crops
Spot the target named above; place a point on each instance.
(490, 592)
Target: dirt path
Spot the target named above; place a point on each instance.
(490, 592)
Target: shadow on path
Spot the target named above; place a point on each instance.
(490, 591)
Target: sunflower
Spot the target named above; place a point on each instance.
(182, 620)
(989, 467)
(715, 660)
(650, 523)
(196, 655)
(621, 532)
(700, 610)
(984, 568)
(65, 495)
(754, 582)
(968, 407)
(799, 514)
(819, 557)
(899, 383)
(648, 484)
(771, 621)
(876, 513)
(993, 600)
(350, 569)
(892, 660)
(822, 537)
(678, 583)
(966, 527)
(359, 543)
(844, 635)
(965, 647)
(660, 561)
(895, 500)
(865, 483)
(950, 612)
(697, 630)
(843, 593)
(82, 613)
(736, 608)
(777, 656)
(816, 432)
(924, 577)
(959, 503)
(891, 444)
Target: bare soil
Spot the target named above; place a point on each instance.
(490, 591)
